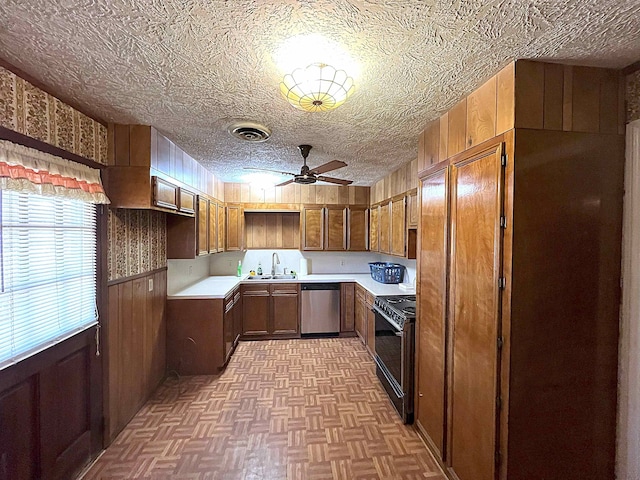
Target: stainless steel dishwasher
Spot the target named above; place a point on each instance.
(320, 308)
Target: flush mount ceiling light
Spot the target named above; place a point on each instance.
(317, 88)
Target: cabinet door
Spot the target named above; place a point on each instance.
(476, 204)
(255, 310)
(357, 229)
(187, 201)
(203, 226)
(384, 241)
(165, 194)
(374, 230)
(397, 227)
(220, 228)
(213, 227)
(237, 316)
(285, 309)
(371, 329)
(228, 328)
(360, 315)
(431, 325)
(412, 210)
(235, 228)
(313, 228)
(336, 228)
(347, 306)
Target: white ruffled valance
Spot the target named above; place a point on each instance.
(25, 169)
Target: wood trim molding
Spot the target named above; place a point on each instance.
(15, 137)
(634, 67)
(628, 460)
(135, 277)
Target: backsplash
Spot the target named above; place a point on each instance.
(633, 96)
(137, 242)
(30, 111)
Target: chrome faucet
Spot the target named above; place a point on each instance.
(274, 259)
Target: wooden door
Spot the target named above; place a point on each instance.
(413, 216)
(357, 229)
(228, 327)
(374, 231)
(347, 307)
(397, 222)
(220, 228)
(255, 310)
(384, 241)
(235, 228)
(336, 228)
(285, 305)
(360, 315)
(203, 226)
(313, 228)
(213, 227)
(431, 326)
(476, 237)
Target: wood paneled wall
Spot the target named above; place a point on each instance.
(47, 411)
(136, 350)
(527, 94)
(397, 182)
(295, 194)
(272, 230)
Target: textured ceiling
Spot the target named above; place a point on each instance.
(192, 67)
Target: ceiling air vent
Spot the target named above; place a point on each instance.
(249, 131)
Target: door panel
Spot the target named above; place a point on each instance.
(475, 269)
(432, 313)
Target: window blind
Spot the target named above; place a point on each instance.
(47, 272)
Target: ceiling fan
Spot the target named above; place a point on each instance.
(310, 175)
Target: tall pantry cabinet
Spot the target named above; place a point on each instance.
(519, 267)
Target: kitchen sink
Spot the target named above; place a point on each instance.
(272, 277)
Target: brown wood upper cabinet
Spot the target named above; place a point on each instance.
(190, 237)
(336, 228)
(235, 227)
(397, 227)
(374, 229)
(148, 171)
(384, 226)
(413, 209)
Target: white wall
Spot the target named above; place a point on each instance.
(182, 273)
(628, 448)
(318, 262)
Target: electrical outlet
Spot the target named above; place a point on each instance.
(151, 284)
(190, 270)
(342, 263)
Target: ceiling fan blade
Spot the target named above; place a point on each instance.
(339, 181)
(284, 183)
(268, 170)
(327, 167)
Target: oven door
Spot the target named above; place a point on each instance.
(394, 363)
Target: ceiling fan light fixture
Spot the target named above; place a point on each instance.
(317, 88)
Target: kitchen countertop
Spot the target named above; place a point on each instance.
(221, 286)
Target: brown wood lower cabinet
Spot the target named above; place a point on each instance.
(347, 307)
(202, 333)
(364, 318)
(271, 310)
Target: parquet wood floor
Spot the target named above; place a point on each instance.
(285, 409)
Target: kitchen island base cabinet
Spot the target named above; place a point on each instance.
(270, 310)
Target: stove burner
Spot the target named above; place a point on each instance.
(393, 300)
(410, 298)
(409, 310)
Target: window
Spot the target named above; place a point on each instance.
(47, 272)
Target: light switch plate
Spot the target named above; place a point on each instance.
(151, 284)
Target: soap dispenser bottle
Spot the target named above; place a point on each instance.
(259, 268)
(239, 268)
